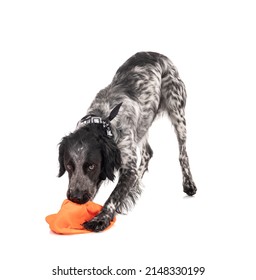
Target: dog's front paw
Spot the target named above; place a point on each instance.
(189, 187)
(98, 223)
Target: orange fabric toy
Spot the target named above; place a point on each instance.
(71, 216)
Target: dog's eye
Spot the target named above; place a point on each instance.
(91, 167)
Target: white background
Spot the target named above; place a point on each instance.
(55, 56)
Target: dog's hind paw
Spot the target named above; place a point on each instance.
(189, 187)
(98, 223)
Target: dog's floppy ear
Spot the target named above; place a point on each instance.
(62, 168)
(111, 159)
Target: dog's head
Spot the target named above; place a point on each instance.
(89, 156)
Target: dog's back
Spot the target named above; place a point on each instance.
(147, 84)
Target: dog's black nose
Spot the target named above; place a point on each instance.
(78, 198)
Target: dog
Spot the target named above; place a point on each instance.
(117, 122)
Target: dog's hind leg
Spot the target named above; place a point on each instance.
(174, 94)
(188, 183)
(146, 154)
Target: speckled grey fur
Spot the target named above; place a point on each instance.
(147, 84)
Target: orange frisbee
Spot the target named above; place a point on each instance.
(71, 216)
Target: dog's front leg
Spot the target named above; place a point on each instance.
(123, 196)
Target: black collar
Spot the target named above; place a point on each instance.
(89, 119)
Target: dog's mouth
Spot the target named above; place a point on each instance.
(79, 201)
